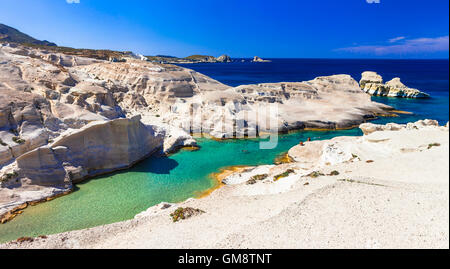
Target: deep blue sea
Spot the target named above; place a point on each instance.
(430, 76)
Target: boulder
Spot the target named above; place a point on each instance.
(372, 83)
(97, 148)
(370, 77)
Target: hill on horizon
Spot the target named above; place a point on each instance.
(9, 34)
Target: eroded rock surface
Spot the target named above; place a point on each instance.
(325, 102)
(372, 83)
(374, 179)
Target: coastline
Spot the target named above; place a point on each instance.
(217, 176)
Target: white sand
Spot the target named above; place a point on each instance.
(400, 200)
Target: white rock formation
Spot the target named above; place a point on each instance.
(368, 127)
(224, 59)
(97, 148)
(372, 83)
(395, 189)
(325, 102)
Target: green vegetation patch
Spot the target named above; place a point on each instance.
(315, 174)
(184, 213)
(256, 178)
(333, 173)
(284, 174)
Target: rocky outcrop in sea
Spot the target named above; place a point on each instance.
(372, 83)
(224, 59)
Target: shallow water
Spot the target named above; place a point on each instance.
(186, 174)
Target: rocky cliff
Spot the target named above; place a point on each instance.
(372, 83)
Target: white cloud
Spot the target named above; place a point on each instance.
(73, 1)
(406, 46)
(395, 39)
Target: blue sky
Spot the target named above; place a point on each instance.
(241, 28)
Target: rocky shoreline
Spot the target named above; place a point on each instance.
(360, 184)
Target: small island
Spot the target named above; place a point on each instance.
(257, 59)
(189, 60)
